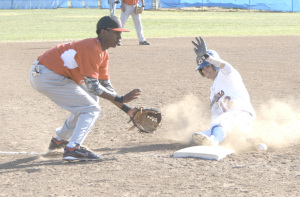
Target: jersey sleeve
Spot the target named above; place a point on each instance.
(227, 69)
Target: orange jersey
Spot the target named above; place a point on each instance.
(77, 59)
(131, 2)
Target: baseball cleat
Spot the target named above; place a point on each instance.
(79, 153)
(55, 144)
(200, 139)
(144, 43)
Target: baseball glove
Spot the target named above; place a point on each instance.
(146, 120)
(138, 9)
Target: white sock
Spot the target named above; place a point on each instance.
(58, 138)
(71, 145)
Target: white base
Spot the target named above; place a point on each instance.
(204, 152)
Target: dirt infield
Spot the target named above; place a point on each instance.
(133, 164)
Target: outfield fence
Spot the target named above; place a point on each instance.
(268, 5)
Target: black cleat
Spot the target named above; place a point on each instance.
(79, 153)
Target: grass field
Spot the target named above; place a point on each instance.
(70, 24)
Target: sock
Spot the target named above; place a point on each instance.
(218, 132)
(58, 138)
(71, 144)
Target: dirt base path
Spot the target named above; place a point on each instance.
(133, 164)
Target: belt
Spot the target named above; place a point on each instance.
(36, 71)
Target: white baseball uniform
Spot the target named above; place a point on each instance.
(230, 102)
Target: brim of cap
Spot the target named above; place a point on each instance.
(204, 64)
(119, 29)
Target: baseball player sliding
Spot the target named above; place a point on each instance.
(230, 104)
(74, 75)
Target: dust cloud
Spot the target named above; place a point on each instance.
(277, 124)
(185, 117)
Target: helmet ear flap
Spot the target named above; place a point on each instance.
(216, 68)
(201, 73)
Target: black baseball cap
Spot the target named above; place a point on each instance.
(110, 22)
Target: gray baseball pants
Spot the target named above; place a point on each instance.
(67, 94)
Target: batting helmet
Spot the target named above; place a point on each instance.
(203, 63)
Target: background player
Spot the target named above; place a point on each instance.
(230, 104)
(74, 75)
(112, 6)
(128, 8)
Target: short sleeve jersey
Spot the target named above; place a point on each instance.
(228, 93)
(77, 59)
(131, 2)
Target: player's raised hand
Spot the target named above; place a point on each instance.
(200, 47)
(134, 94)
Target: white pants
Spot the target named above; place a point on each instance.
(130, 10)
(112, 7)
(233, 121)
(67, 94)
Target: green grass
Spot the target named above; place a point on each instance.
(71, 24)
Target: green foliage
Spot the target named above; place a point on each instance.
(72, 24)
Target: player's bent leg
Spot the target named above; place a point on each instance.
(219, 133)
(85, 123)
(65, 132)
(139, 28)
(84, 107)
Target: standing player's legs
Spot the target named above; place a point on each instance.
(124, 15)
(138, 26)
(112, 7)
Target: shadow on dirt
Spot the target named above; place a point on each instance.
(145, 148)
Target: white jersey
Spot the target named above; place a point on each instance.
(228, 93)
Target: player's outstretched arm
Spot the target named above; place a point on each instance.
(218, 62)
(93, 85)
